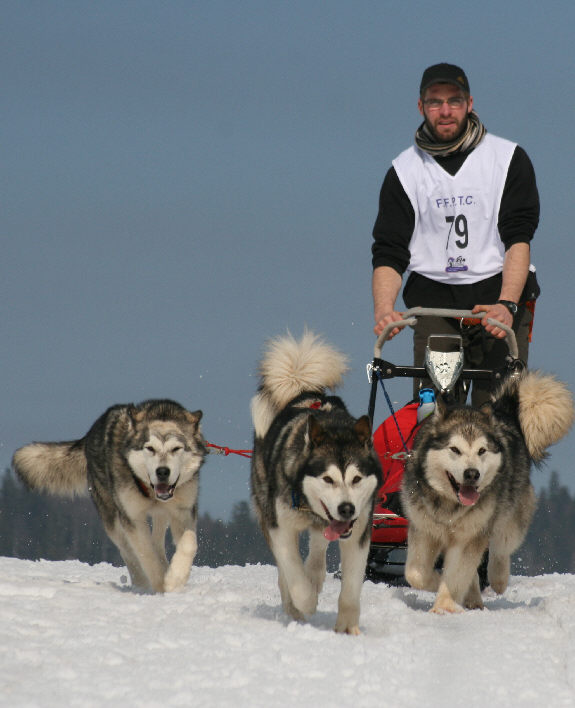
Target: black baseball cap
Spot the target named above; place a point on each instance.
(444, 74)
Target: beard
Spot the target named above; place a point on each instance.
(470, 133)
(454, 133)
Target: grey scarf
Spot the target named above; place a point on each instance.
(469, 139)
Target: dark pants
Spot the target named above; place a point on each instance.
(481, 351)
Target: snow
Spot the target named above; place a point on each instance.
(76, 635)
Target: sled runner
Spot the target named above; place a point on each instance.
(393, 439)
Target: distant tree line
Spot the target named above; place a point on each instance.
(549, 546)
(35, 525)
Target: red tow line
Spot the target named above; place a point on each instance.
(220, 450)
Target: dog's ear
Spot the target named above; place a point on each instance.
(505, 401)
(194, 418)
(132, 415)
(315, 431)
(440, 407)
(363, 429)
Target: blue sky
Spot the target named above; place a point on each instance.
(182, 180)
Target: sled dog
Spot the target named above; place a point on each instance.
(138, 462)
(313, 469)
(466, 487)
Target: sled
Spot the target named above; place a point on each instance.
(393, 439)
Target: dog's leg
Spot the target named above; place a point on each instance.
(184, 535)
(473, 599)
(296, 590)
(315, 563)
(353, 562)
(506, 537)
(287, 604)
(159, 528)
(422, 553)
(139, 538)
(138, 578)
(459, 577)
(498, 569)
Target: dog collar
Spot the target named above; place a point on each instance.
(296, 502)
(144, 489)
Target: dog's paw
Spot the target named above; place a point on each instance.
(445, 605)
(173, 584)
(353, 630)
(176, 577)
(498, 579)
(347, 621)
(291, 610)
(499, 585)
(473, 599)
(473, 603)
(179, 569)
(498, 574)
(423, 579)
(304, 598)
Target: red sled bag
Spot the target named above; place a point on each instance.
(387, 441)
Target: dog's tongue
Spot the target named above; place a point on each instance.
(163, 491)
(467, 495)
(336, 529)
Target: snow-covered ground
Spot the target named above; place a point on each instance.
(75, 635)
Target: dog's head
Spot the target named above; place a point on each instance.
(166, 448)
(459, 453)
(341, 474)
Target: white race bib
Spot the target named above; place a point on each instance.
(456, 239)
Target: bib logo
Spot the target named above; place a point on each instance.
(456, 265)
(454, 201)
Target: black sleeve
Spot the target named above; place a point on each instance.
(519, 210)
(393, 227)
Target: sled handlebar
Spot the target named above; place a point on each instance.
(410, 318)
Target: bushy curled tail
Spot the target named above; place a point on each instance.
(290, 367)
(56, 468)
(544, 407)
(546, 412)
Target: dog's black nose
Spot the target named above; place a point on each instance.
(163, 474)
(346, 510)
(470, 475)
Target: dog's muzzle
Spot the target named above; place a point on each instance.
(467, 492)
(339, 528)
(162, 489)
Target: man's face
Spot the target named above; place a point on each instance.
(446, 121)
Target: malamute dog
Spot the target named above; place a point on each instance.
(466, 486)
(138, 462)
(314, 469)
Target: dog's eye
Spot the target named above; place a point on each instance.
(327, 480)
(150, 449)
(356, 479)
(481, 451)
(176, 449)
(455, 450)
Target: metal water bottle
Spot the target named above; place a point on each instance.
(426, 403)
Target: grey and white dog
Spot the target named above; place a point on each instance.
(466, 487)
(139, 462)
(313, 469)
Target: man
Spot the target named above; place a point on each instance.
(457, 212)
